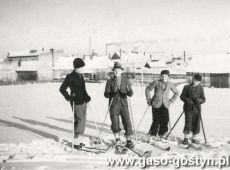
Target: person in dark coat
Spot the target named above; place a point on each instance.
(78, 96)
(192, 96)
(160, 103)
(117, 89)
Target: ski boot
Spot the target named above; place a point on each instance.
(130, 144)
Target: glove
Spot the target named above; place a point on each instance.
(189, 101)
(149, 102)
(197, 101)
(87, 99)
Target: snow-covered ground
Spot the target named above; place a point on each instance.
(34, 116)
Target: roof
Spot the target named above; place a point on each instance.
(21, 54)
(115, 56)
(156, 64)
(64, 63)
(101, 62)
(210, 64)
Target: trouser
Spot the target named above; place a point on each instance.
(120, 109)
(160, 117)
(192, 122)
(79, 119)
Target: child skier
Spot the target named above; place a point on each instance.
(192, 96)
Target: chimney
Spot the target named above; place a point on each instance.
(52, 53)
(184, 56)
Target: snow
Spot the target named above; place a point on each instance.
(35, 116)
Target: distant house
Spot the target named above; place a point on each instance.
(28, 71)
(34, 65)
(18, 56)
(214, 69)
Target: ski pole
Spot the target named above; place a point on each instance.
(131, 112)
(174, 125)
(170, 127)
(73, 126)
(107, 112)
(95, 123)
(142, 118)
(203, 128)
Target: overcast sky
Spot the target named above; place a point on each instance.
(167, 25)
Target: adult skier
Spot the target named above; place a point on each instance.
(192, 96)
(117, 89)
(78, 97)
(160, 103)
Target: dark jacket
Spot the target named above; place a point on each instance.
(76, 83)
(112, 91)
(192, 97)
(161, 93)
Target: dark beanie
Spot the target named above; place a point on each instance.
(197, 77)
(78, 63)
(164, 72)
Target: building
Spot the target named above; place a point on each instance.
(214, 69)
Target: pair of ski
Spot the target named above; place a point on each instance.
(163, 145)
(122, 149)
(82, 147)
(189, 145)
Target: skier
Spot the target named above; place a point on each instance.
(117, 89)
(160, 103)
(192, 96)
(78, 97)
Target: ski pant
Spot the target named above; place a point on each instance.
(120, 109)
(160, 118)
(79, 118)
(192, 121)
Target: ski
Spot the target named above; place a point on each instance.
(82, 147)
(161, 144)
(189, 145)
(140, 152)
(121, 149)
(156, 143)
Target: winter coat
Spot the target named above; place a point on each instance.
(161, 93)
(193, 98)
(76, 83)
(118, 93)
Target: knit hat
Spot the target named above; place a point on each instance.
(163, 72)
(78, 63)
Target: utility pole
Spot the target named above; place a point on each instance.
(89, 45)
(184, 56)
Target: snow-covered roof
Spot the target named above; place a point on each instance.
(28, 66)
(101, 62)
(21, 54)
(156, 64)
(210, 64)
(64, 63)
